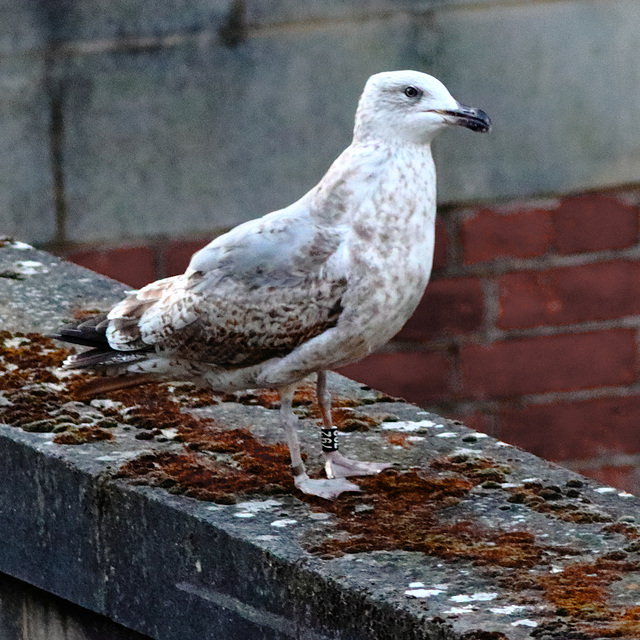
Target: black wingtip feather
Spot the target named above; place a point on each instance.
(88, 332)
(86, 339)
(92, 332)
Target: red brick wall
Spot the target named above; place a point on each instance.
(528, 330)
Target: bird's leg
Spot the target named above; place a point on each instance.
(336, 465)
(323, 488)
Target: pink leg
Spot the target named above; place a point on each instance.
(336, 465)
(329, 488)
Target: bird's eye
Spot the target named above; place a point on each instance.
(412, 92)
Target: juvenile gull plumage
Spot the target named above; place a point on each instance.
(317, 285)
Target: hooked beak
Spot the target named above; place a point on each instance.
(474, 119)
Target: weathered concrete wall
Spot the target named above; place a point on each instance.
(467, 538)
(124, 120)
(27, 613)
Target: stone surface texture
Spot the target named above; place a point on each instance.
(173, 567)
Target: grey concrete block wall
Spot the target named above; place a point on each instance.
(204, 136)
(559, 80)
(124, 120)
(28, 613)
(26, 187)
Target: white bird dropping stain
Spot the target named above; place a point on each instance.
(283, 523)
(480, 596)
(524, 623)
(412, 426)
(469, 608)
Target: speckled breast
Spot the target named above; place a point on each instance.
(391, 263)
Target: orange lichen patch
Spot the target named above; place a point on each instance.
(26, 358)
(625, 625)
(192, 397)
(478, 634)
(26, 361)
(27, 407)
(31, 402)
(151, 405)
(400, 511)
(580, 590)
(343, 415)
(82, 435)
(305, 396)
(265, 398)
(248, 466)
(218, 464)
(215, 463)
(87, 314)
(348, 420)
(628, 531)
(270, 399)
(399, 440)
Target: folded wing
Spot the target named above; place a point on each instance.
(255, 293)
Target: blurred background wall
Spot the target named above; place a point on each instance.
(133, 132)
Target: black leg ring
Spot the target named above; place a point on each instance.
(329, 439)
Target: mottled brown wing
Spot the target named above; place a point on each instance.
(258, 295)
(237, 325)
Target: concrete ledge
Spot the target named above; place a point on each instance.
(470, 539)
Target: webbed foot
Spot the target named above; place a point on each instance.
(337, 466)
(328, 489)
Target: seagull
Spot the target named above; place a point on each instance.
(317, 285)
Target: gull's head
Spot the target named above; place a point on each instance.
(411, 106)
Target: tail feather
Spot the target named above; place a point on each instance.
(102, 357)
(92, 332)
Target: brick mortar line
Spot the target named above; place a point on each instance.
(159, 250)
(627, 192)
(484, 270)
(586, 326)
(523, 402)
(579, 395)
(454, 241)
(545, 262)
(491, 297)
(153, 242)
(55, 105)
(487, 337)
(207, 36)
